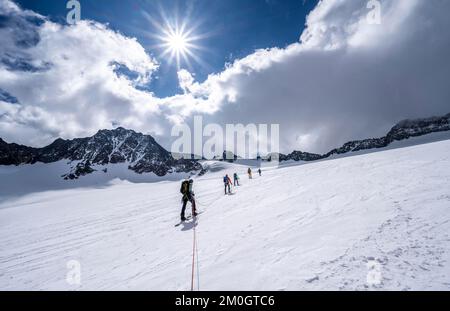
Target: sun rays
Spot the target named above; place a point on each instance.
(177, 42)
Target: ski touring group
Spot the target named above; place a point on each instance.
(188, 195)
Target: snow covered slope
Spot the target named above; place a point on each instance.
(321, 226)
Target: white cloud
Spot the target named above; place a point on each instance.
(72, 88)
(345, 79)
(186, 80)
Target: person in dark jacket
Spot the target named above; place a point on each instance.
(188, 196)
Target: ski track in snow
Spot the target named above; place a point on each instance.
(306, 227)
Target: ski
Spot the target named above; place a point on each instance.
(188, 218)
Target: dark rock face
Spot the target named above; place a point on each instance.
(13, 154)
(81, 169)
(141, 152)
(358, 145)
(300, 156)
(411, 128)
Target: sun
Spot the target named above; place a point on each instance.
(177, 44)
(177, 41)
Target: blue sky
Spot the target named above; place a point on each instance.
(230, 29)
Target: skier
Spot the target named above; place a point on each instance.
(227, 183)
(259, 172)
(236, 179)
(188, 195)
(249, 173)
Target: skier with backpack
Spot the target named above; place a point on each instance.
(188, 195)
(249, 171)
(227, 184)
(236, 179)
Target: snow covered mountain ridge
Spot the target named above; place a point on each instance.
(401, 131)
(142, 153)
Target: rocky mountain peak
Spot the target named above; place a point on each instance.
(141, 152)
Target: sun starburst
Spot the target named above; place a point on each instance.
(177, 42)
(178, 45)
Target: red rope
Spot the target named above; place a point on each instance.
(198, 269)
(193, 255)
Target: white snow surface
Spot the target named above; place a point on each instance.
(317, 226)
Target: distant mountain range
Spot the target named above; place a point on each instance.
(144, 155)
(401, 131)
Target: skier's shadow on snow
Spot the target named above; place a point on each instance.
(188, 225)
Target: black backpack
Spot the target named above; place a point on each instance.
(184, 187)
